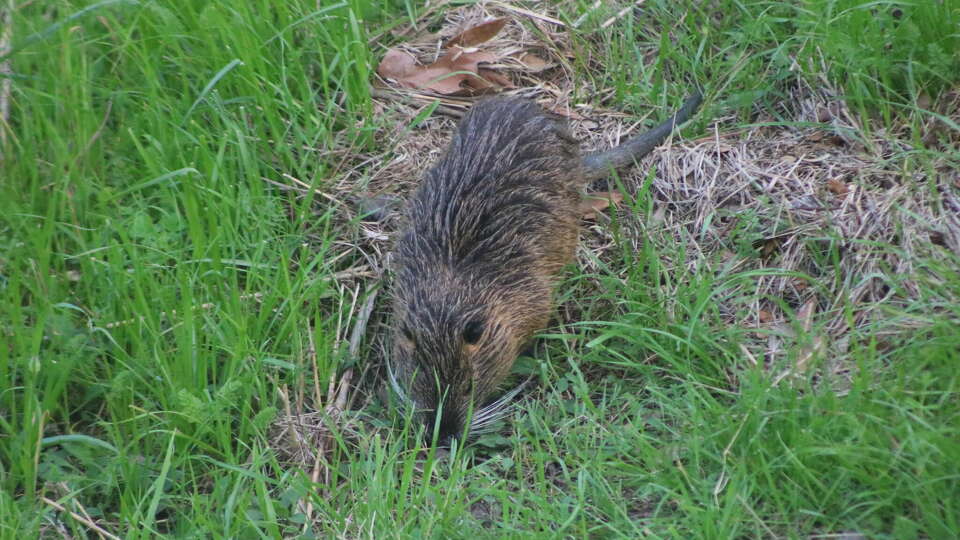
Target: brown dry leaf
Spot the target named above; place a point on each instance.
(496, 78)
(837, 187)
(594, 203)
(765, 316)
(478, 34)
(456, 72)
(396, 64)
(532, 62)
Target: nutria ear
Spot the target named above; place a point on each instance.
(473, 331)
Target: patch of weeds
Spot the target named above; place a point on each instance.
(883, 51)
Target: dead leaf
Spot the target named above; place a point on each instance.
(533, 63)
(456, 72)
(396, 64)
(496, 78)
(594, 203)
(765, 316)
(837, 186)
(478, 34)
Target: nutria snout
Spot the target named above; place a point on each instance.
(485, 238)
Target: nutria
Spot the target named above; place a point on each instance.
(485, 238)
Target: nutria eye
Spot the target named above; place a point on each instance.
(473, 331)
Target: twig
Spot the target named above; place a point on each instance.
(507, 7)
(89, 523)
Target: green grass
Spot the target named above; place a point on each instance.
(132, 185)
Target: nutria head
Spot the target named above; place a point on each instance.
(456, 336)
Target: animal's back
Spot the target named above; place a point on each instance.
(506, 191)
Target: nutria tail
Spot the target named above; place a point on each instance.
(599, 164)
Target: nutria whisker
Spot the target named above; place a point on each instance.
(398, 390)
(498, 409)
(484, 242)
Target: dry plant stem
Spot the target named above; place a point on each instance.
(586, 13)
(534, 15)
(359, 329)
(283, 391)
(308, 187)
(619, 14)
(411, 98)
(360, 326)
(103, 533)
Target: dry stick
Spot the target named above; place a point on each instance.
(89, 523)
(6, 36)
(532, 14)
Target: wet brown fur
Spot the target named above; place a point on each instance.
(486, 236)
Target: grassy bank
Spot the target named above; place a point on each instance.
(745, 349)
